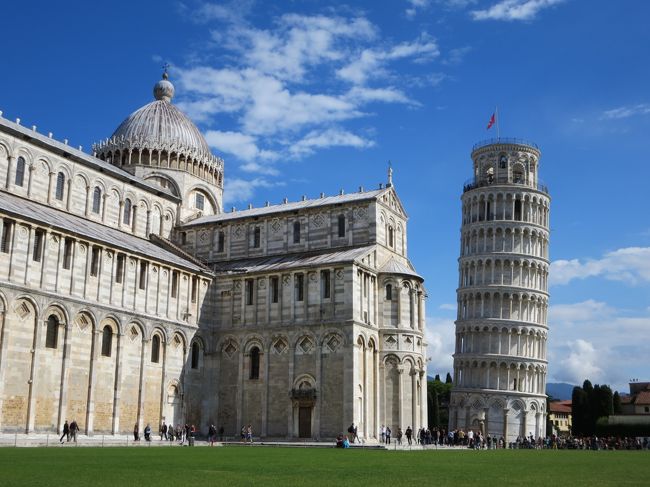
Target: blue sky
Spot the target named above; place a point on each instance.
(306, 96)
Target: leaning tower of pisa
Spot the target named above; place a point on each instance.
(500, 356)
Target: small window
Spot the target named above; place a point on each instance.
(97, 199)
(143, 275)
(94, 262)
(128, 208)
(199, 201)
(7, 231)
(389, 292)
(107, 341)
(341, 225)
(325, 284)
(195, 285)
(300, 287)
(174, 284)
(503, 162)
(255, 364)
(195, 355)
(221, 242)
(256, 237)
(20, 171)
(67, 253)
(60, 186)
(183, 238)
(249, 291)
(296, 232)
(39, 237)
(391, 237)
(275, 289)
(155, 349)
(119, 271)
(52, 333)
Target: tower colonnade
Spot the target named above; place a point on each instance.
(500, 358)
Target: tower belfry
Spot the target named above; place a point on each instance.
(500, 360)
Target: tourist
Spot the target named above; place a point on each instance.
(399, 436)
(212, 432)
(66, 432)
(409, 434)
(170, 432)
(136, 432)
(249, 433)
(179, 433)
(242, 433)
(163, 431)
(221, 430)
(353, 431)
(147, 433)
(74, 428)
(388, 433)
(346, 442)
(382, 432)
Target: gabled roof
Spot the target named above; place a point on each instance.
(284, 262)
(560, 407)
(47, 216)
(642, 398)
(289, 207)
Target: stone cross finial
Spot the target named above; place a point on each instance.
(390, 175)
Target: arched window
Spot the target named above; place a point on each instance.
(126, 218)
(20, 171)
(195, 355)
(52, 333)
(256, 237)
(255, 363)
(107, 341)
(97, 198)
(391, 237)
(296, 232)
(389, 292)
(155, 349)
(221, 243)
(341, 225)
(60, 186)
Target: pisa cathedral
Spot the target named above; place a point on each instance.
(500, 360)
(129, 296)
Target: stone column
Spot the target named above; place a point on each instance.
(117, 392)
(31, 169)
(87, 210)
(505, 426)
(35, 351)
(10, 161)
(92, 379)
(3, 353)
(163, 381)
(63, 391)
(400, 395)
(266, 355)
(49, 187)
(240, 389)
(141, 389)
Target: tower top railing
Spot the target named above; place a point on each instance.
(474, 183)
(504, 140)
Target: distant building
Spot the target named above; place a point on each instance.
(638, 402)
(559, 414)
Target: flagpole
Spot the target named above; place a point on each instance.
(496, 112)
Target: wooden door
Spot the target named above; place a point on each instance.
(304, 422)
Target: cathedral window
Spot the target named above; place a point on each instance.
(275, 289)
(389, 292)
(325, 283)
(52, 332)
(60, 185)
(249, 291)
(67, 253)
(183, 238)
(256, 237)
(296, 232)
(119, 271)
(39, 236)
(503, 162)
(107, 341)
(97, 198)
(20, 171)
(174, 284)
(254, 363)
(341, 225)
(126, 217)
(199, 201)
(221, 242)
(195, 285)
(94, 262)
(195, 355)
(143, 275)
(391, 237)
(7, 227)
(155, 349)
(300, 287)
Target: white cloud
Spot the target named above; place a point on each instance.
(241, 145)
(514, 10)
(626, 111)
(448, 306)
(630, 265)
(441, 341)
(328, 138)
(581, 363)
(237, 189)
(588, 310)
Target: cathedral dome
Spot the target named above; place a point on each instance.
(158, 134)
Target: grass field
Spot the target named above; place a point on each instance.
(302, 466)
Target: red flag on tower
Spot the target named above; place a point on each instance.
(493, 119)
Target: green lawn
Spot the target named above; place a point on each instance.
(238, 465)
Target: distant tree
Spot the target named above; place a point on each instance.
(435, 413)
(616, 403)
(437, 377)
(549, 423)
(602, 404)
(578, 409)
(448, 379)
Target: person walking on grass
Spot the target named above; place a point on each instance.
(409, 435)
(66, 432)
(74, 428)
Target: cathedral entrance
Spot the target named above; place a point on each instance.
(304, 422)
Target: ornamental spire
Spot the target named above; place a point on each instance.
(164, 89)
(390, 175)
